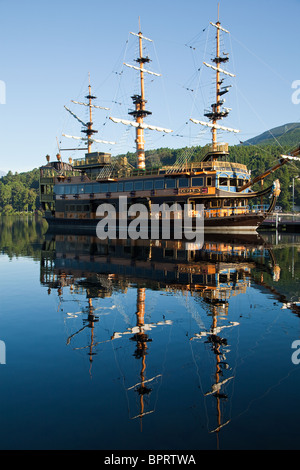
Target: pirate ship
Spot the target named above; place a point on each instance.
(71, 192)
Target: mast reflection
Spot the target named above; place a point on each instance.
(212, 274)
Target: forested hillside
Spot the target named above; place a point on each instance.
(287, 134)
(19, 192)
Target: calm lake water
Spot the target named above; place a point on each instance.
(147, 344)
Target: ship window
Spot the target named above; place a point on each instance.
(148, 184)
(59, 189)
(183, 183)
(129, 186)
(79, 208)
(227, 203)
(232, 182)
(138, 185)
(96, 188)
(241, 182)
(223, 181)
(88, 188)
(197, 181)
(113, 187)
(170, 183)
(169, 253)
(120, 186)
(103, 188)
(159, 184)
(208, 181)
(215, 203)
(86, 208)
(72, 208)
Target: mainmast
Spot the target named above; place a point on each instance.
(217, 112)
(217, 106)
(140, 112)
(139, 101)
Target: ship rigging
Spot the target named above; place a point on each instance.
(71, 193)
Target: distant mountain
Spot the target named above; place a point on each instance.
(288, 134)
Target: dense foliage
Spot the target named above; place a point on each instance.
(19, 192)
(22, 236)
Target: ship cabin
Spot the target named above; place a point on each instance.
(74, 190)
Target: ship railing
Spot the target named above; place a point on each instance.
(220, 165)
(259, 208)
(194, 213)
(211, 213)
(47, 197)
(46, 179)
(198, 166)
(218, 147)
(78, 162)
(220, 212)
(187, 168)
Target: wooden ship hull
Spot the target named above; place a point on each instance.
(245, 223)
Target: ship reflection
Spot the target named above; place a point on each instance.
(211, 274)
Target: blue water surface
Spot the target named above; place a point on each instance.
(100, 360)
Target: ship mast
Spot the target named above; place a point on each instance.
(217, 112)
(87, 126)
(139, 100)
(90, 131)
(217, 106)
(140, 112)
(141, 338)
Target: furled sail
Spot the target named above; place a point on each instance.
(219, 70)
(140, 36)
(215, 126)
(143, 70)
(73, 137)
(141, 125)
(85, 139)
(87, 104)
(219, 27)
(104, 141)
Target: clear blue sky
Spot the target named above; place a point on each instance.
(48, 48)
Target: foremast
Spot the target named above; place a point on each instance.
(140, 112)
(87, 126)
(89, 131)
